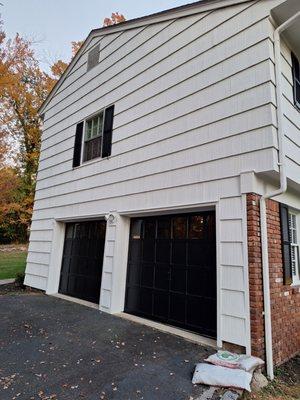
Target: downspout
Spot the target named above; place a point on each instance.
(282, 189)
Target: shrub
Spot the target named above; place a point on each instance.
(20, 279)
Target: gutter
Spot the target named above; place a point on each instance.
(283, 187)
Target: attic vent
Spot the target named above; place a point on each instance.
(93, 57)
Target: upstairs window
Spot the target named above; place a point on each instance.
(93, 137)
(296, 79)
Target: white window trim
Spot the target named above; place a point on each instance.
(82, 162)
(296, 245)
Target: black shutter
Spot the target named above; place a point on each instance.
(77, 145)
(286, 247)
(107, 131)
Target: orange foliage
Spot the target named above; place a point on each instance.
(115, 18)
(76, 46)
(24, 86)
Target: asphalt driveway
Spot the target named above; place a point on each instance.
(52, 347)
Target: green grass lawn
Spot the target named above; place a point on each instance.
(12, 263)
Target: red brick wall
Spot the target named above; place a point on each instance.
(285, 300)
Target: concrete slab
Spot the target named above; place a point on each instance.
(6, 281)
(52, 347)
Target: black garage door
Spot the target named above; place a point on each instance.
(172, 271)
(81, 269)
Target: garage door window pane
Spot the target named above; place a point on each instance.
(164, 229)
(196, 227)
(150, 228)
(179, 227)
(136, 229)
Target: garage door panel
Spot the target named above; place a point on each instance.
(135, 251)
(145, 303)
(179, 252)
(93, 249)
(68, 247)
(133, 298)
(162, 276)
(92, 267)
(198, 282)
(173, 276)
(177, 308)
(178, 278)
(200, 313)
(134, 272)
(160, 305)
(147, 275)
(148, 250)
(163, 251)
(197, 254)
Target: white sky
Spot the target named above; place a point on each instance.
(53, 24)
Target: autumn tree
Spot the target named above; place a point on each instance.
(14, 214)
(23, 88)
(115, 18)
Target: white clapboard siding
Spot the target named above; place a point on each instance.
(246, 100)
(239, 61)
(37, 269)
(174, 175)
(110, 63)
(37, 236)
(233, 275)
(200, 192)
(178, 157)
(96, 91)
(251, 16)
(248, 122)
(80, 66)
(36, 281)
(40, 246)
(195, 97)
(173, 178)
(291, 123)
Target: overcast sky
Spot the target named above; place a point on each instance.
(55, 23)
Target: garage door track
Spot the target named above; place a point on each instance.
(54, 349)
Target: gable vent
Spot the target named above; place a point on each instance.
(93, 57)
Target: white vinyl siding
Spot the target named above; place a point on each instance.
(291, 122)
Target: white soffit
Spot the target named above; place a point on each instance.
(282, 13)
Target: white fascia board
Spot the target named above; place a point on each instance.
(174, 13)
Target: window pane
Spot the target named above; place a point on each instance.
(150, 228)
(196, 227)
(164, 228)
(179, 227)
(88, 150)
(100, 127)
(96, 149)
(95, 127)
(88, 133)
(136, 229)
